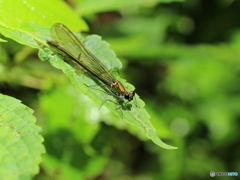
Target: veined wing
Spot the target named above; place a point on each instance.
(68, 42)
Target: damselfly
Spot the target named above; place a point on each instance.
(67, 45)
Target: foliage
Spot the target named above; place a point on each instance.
(136, 115)
(183, 59)
(21, 145)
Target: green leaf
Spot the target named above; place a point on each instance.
(26, 20)
(15, 13)
(20, 142)
(136, 115)
(35, 35)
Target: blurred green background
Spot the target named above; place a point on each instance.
(182, 57)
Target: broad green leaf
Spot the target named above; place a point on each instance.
(15, 13)
(89, 6)
(135, 115)
(20, 142)
(23, 20)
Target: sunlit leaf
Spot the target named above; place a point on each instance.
(20, 142)
(135, 115)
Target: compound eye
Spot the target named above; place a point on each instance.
(129, 96)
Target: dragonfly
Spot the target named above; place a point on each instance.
(68, 46)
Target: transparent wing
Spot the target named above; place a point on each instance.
(68, 42)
